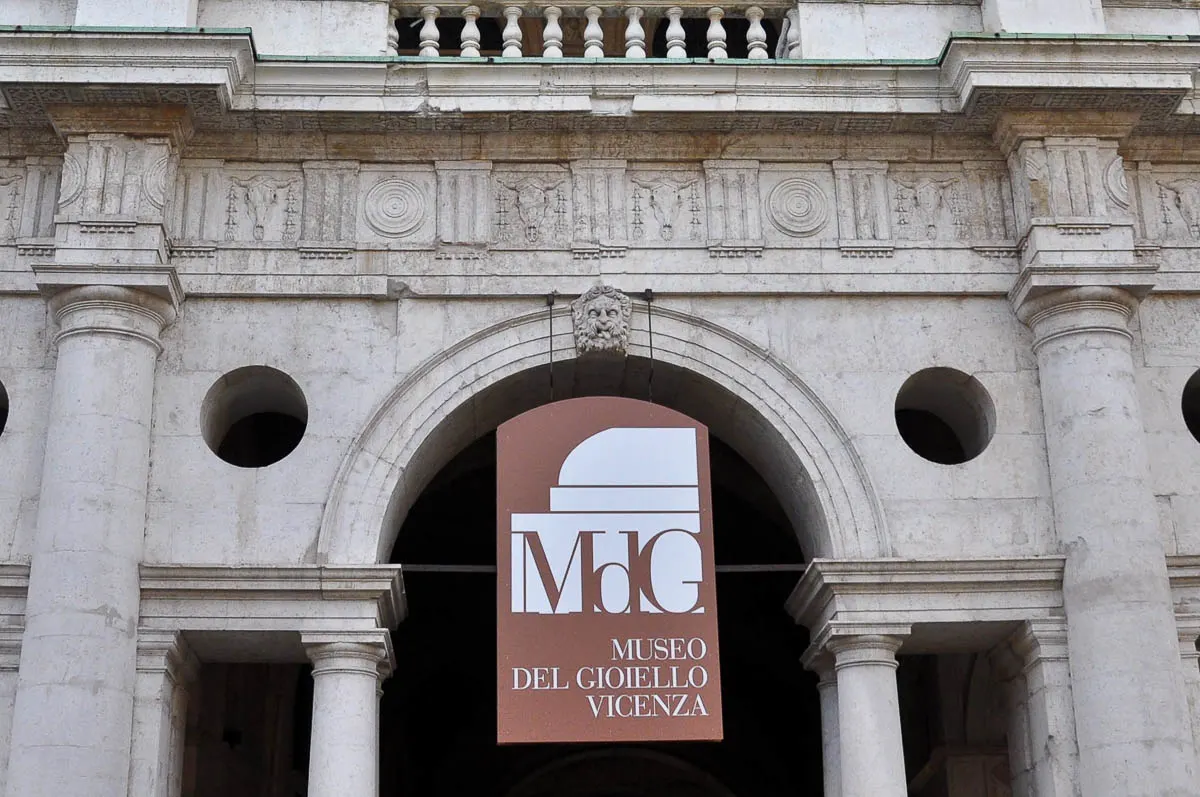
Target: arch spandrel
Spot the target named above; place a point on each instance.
(745, 396)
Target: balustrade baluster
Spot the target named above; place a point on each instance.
(756, 37)
(393, 37)
(593, 34)
(793, 34)
(716, 34)
(635, 36)
(430, 36)
(676, 36)
(470, 33)
(512, 33)
(553, 35)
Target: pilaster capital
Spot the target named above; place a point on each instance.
(1073, 311)
(1040, 641)
(350, 652)
(167, 653)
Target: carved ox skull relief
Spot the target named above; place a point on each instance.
(601, 317)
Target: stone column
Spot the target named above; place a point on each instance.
(1132, 725)
(344, 752)
(165, 669)
(112, 292)
(74, 704)
(871, 749)
(831, 758)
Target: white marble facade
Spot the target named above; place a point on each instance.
(896, 187)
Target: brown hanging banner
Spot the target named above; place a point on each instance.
(607, 602)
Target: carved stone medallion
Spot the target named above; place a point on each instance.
(798, 207)
(395, 207)
(602, 318)
(72, 180)
(154, 182)
(1116, 183)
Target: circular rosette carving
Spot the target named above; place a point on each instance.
(395, 207)
(154, 181)
(798, 207)
(72, 180)
(1117, 183)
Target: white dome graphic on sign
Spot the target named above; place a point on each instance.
(630, 470)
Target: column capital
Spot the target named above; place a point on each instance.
(111, 310)
(364, 652)
(1072, 311)
(854, 651)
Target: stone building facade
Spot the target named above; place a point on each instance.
(273, 271)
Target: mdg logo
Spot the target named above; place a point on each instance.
(622, 533)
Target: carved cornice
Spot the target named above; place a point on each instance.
(228, 87)
(246, 613)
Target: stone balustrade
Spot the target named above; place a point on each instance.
(458, 30)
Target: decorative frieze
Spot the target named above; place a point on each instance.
(598, 193)
(734, 217)
(666, 206)
(464, 203)
(863, 208)
(532, 206)
(330, 201)
(262, 207)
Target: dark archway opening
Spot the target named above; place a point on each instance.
(438, 724)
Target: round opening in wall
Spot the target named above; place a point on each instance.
(945, 416)
(1191, 405)
(3, 407)
(254, 416)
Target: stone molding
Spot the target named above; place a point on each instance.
(14, 584)
(910, 598)
(245, 613)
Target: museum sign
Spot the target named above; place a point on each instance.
(606, 605)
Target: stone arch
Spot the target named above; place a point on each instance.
(751, 400)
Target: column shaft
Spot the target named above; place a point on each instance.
(1126, 680)
(344, 752)
(831, 755)
(74, 706)
(871, 747)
